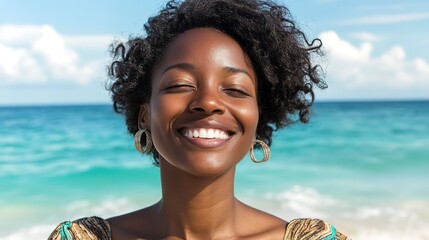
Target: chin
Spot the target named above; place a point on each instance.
(210, 171)
(205, 166)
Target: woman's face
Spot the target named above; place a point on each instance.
(203, 110)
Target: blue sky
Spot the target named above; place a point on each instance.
(55, 52)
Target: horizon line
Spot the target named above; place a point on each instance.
(74, 104)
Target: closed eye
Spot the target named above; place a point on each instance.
(175, 88)
(237, 92)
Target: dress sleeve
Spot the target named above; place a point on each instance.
(91, 228)
(312, 229)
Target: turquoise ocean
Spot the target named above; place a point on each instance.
(362, 166)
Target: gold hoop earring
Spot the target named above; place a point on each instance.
(265, 148)
(138, 141)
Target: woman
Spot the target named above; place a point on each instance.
(210, 81)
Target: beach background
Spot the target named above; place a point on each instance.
(361, 163)
(361, 166)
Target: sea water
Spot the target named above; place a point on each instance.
(362, 166)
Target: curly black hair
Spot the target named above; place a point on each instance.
(279, 51)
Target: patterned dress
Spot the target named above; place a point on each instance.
(95, 228)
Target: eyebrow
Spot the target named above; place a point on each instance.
(184, 66)
(237, 70)
(188, 66)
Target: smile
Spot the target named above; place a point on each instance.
(205, 133)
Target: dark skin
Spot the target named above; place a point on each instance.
(203, 81)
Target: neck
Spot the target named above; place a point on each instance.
(195, 207)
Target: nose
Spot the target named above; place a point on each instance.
(207, 101)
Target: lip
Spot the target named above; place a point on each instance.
(205, 142)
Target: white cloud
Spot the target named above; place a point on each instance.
(387, 19)
(100, 42)
(18, 64)
(365, 36)
(353, 71)
(38, 53)
(18, 34)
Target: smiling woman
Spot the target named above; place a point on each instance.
(210, 81)
(195, 95)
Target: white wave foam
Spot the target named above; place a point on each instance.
(369, 221)
(110, 207)
(358, 220)
(301, 201)
(74, 210)
(36, 232)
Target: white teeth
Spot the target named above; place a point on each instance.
(206, 133)
(202, 133)
(210, 133)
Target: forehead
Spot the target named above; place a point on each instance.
(205, 46)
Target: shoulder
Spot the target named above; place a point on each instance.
(256, 224)
(84, 228)
(312, 229)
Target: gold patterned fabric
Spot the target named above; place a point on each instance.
(91, 228)
(95, 228)
(311, 229)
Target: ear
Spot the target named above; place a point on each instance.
(144, 116)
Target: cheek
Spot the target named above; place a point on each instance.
(248, 115)
(163, 112)
(163, 109)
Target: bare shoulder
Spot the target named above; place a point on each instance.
(131, 225)
(257, 224)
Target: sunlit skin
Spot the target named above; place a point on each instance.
(204, 80)
(201, 83)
